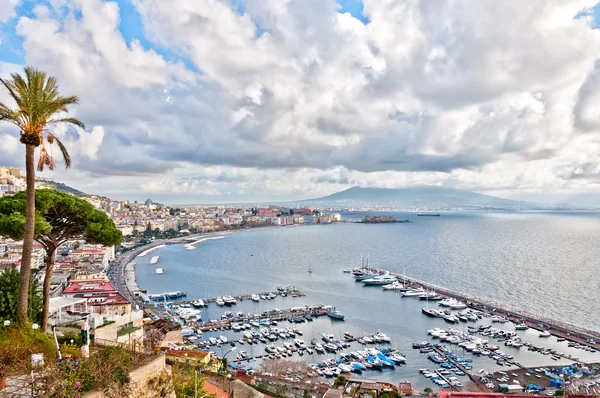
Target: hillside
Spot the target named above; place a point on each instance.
(422, 198)
(59, 186)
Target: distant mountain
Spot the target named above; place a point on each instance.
(59, 186)
(422, 198)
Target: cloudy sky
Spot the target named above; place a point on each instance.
(193, 101)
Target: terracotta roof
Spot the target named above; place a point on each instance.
(212, 389)
(89, 287)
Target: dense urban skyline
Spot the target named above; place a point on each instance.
(212, 101)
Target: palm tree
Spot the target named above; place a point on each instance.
(39, 106)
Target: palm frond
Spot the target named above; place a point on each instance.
(65, 153)
(70, 120)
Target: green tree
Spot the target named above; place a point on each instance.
(39, 106)
(59, 217)
(9, 295)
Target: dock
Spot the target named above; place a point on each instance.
(556, 328)
(241, 297)
(279, 316)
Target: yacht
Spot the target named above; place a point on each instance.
(255, 297)
(521, 326)
(229, 300)
(380, 280)
(220, 301)
(545, 333)
(223, 339)
(413, 293)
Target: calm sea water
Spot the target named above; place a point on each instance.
(545, 263)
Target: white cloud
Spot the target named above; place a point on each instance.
(7, 9)
(294, 98)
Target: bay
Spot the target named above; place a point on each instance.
(543, 262)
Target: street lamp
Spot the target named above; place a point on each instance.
(225, 359)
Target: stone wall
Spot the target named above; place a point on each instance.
(152, 380)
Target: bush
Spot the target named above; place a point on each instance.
(9, 293)
(17, 344)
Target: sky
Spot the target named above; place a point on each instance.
(206, 101)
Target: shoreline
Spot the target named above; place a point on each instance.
(126, 263)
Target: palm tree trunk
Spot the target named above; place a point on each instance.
(28, 236)
(51, 257)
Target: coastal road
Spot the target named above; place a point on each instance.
(117, 269)
(117, 273)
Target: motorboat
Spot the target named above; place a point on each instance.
(198, 303)
(521, 326)
(379, 280)
(449, 302)
(229, 300)
(335, 314)
(362, 276)
(459, 305)
(451, 318)
(220, 301)
(413, 293)
(223, 339)
(255, 297)
(394, 286)
(544, 333)
(382, 337)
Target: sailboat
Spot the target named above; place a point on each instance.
(365, 271)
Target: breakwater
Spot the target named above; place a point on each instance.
(555, 327)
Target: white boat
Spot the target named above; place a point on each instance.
(229, 300)
(382, 337)
(385, 279)
(458, 306)
(413, 293)
(521, 326)
(448, 302)
(394, 286)
(545, 333)
(154, 259)
(255, 297)
(160, 271)
(223, 339)
(220, 301)
(198, 303)
(190, 247)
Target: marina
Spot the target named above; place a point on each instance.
(398, 308)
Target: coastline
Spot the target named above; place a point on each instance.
(126, 263)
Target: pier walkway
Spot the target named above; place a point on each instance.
(474, 378)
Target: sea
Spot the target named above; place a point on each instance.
(542, 262)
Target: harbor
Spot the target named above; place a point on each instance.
(368, 309)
